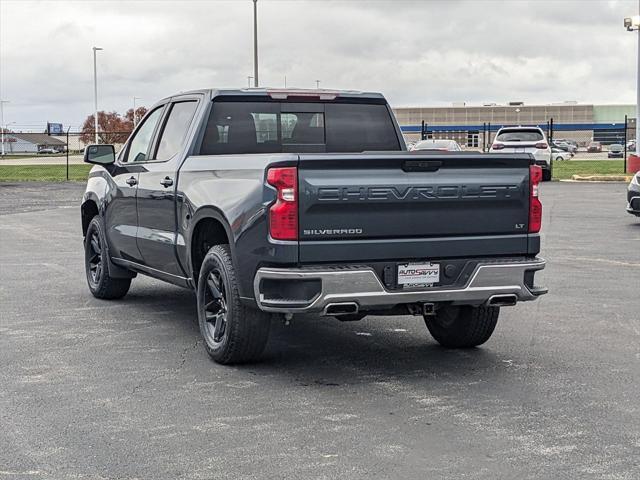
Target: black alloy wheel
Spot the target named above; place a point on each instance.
(215, 308)
(96, 258)
(94, 249)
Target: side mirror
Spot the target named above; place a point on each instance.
(100, 154)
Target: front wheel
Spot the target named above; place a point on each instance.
(462, 327)
(233, 332)
(96, 260)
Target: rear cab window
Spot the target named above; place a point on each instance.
(263, 126)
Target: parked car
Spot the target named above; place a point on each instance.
(315, 226)
(564, 145)
(44, 151)
(615, 151)
(573, 145)
(559, 146)
(437, 144)
(560, 155)
(594, 147)
(525, 140)
(633, 196)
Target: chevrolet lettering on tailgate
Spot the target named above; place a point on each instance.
(392, 193)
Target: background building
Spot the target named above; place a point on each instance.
(468, 124)
(31, 142)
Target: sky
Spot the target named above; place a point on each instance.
(417, 53)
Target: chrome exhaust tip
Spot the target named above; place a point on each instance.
(502, 300)
(343, 308)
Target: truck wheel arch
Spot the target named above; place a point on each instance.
(210, 228)
(89, 209)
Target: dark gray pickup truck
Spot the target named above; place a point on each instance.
(277, 202)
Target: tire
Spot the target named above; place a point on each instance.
(232, 332)
(96, 260)
(559, 159)
(462, 327)
(546, 175)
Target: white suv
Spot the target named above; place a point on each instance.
(525, 140)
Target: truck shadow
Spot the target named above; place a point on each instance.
(316, 350)
(323, 351)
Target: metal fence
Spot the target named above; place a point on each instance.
(50, 157)
(591, 152)
(576, 149)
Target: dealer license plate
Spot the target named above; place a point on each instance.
(418, 274)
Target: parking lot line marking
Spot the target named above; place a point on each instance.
(601, 260)
(28, 472)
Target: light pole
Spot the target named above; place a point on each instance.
(317, 83)
(255, 43)
(2, 102)
(95, 92)
(134, 110)
(631, 24)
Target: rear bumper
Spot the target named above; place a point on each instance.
(361, 286)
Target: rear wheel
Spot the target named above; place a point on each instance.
(233, 332)
(96, 260)
(462, 327)
(546, 175)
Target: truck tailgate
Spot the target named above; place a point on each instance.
(404, 205)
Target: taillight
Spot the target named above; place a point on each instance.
(283, 215)
(497, 146)
(535, 206)
(541, 145)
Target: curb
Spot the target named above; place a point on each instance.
(601, 178)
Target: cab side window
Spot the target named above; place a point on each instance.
(175, 129)
(139, 146)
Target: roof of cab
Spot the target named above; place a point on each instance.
(324, 94)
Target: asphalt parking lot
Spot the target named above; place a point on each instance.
(95, 389)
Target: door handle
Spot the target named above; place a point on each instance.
(166, 182)
(131, 181)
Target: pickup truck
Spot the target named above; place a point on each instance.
(271, 203)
